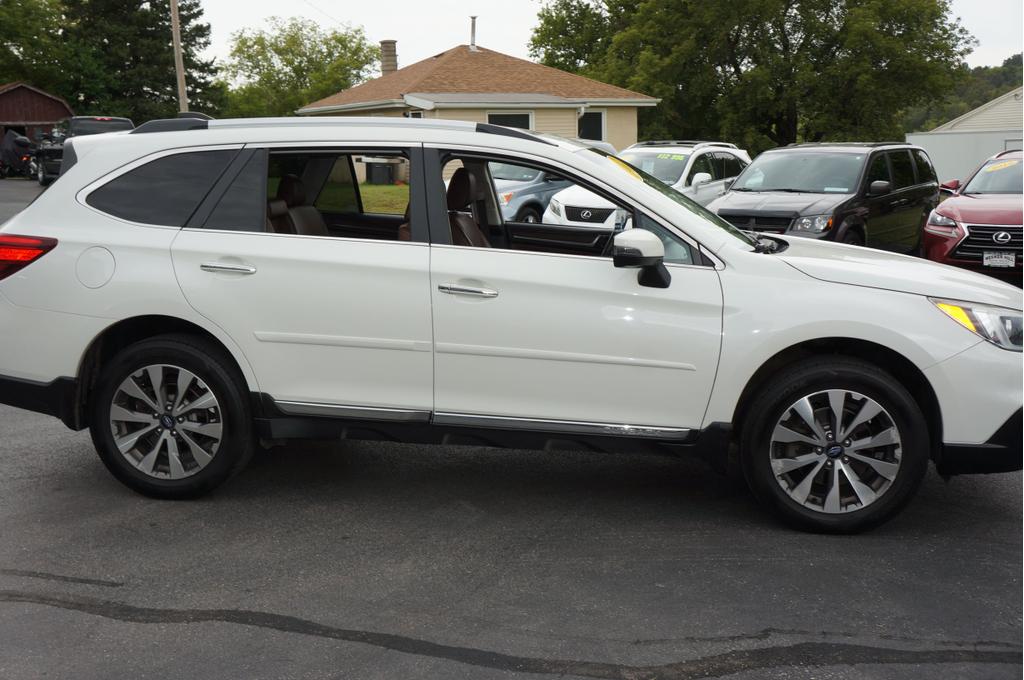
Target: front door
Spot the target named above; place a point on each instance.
(549, 330)
(331, 324)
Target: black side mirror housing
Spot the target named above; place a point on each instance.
(879, 188)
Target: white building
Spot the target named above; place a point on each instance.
(959, 146)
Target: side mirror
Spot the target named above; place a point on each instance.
(639, 248)
(879, 188)
(951, 186)
(700, 178)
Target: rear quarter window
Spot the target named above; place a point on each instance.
(165, 191)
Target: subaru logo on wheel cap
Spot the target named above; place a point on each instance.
(1001, 237)
(586, 214)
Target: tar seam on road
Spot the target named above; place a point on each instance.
(815, 654)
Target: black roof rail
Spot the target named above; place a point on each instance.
(194, 114)
(171, 125)
(854, 144)
(490, 129)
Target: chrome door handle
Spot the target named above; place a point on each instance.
(453, 289)
(227, 267)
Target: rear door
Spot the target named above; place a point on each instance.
(881, 224)
(906, 201)
(330, 325)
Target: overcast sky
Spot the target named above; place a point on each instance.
(426, 27)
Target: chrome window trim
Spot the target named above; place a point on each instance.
(560, 426)
(305, 408)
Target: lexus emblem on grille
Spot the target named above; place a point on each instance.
(1001, 237)
(586, 214)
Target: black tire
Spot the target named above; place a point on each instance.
(809, 377)
(42, 177)
(852, 237)
(221, 376)
(529, 215)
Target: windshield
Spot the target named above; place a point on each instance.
(515, 173)
(667, 167)
(95, 126)
(817, 172)
(662, 188)
(997, 177)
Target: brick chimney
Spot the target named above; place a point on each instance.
(388, 57)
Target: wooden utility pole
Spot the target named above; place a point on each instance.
(179, 63)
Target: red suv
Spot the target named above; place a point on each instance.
(979, 226)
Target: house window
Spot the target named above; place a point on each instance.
(517, 120)
(414, 114)
(591, 125)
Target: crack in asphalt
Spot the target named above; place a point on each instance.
(815, 654)
(58, 577)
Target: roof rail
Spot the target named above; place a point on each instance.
(861, 144)
(194, 114)
(695, 143)
(171, 125)
(490, 129)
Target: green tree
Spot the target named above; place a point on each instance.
(121, 61)
(765, 72)
(29, 43)
(292, 63)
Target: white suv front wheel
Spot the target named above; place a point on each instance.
(835, 445)
(170, 418)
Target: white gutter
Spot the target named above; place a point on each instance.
(357, 106)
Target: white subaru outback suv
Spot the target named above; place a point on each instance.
(193, 287)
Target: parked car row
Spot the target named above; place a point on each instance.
(883, 195)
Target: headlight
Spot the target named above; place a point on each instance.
(556, 207)
(998, 325)
(941, 225)
(814, 224)
(506, 198)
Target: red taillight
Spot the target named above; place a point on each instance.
(17, 252)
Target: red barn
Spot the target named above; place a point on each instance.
(28, 110)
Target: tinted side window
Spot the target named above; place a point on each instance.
(165, 191)
(925, 169)
(731, 165)
(339, 192)
(702, 164)
(878, 171)
(243, 205)
(902, 169)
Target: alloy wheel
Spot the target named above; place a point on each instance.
(166, 422)
(835, 451)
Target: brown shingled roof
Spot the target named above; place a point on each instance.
(478, 70)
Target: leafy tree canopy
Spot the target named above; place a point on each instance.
(762, 72)
(292, 63)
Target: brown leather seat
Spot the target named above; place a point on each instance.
(303, 219)
(462, 193)
(277, 217)
(405, 228)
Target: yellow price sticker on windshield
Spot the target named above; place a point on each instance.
(996, 167)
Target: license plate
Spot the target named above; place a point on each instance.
(997, 259)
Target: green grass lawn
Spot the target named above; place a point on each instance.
(389, 199)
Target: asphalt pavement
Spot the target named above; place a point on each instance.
(378, 560)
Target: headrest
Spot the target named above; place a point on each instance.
(292, 191)
(461, 190)
(276, 207)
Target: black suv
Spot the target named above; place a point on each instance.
(50, 152)
(875, 194)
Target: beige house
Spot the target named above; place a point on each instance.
(475, 84)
